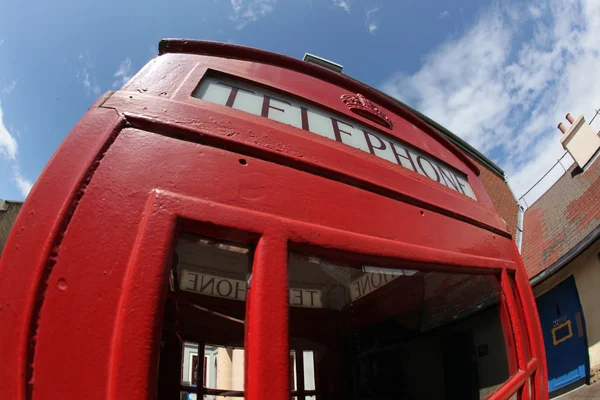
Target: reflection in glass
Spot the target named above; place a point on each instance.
(223, 367)
(205, 314)
(302, 371)
(386, 333)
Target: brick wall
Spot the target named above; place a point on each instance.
(8, 214)
(561, 218)
(501, 196)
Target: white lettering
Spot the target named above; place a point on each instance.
(227, 288)
(295, 297)
(257, 101)
(370, 282)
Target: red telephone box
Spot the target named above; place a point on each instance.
(236, 223)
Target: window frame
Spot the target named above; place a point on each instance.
(168, 214)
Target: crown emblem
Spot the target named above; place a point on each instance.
(357, 103)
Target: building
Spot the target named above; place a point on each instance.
(8, 214)
(561, 253)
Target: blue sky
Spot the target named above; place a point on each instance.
(499, 75)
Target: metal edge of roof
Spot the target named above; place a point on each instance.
(4, 203)
(566, 258)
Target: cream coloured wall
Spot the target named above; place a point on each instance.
(237, 369)
(586, 271)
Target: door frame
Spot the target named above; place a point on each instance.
(570, 386)
(166, 214)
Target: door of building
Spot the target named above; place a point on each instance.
(565, 341)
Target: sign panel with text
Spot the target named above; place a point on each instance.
(255, 100)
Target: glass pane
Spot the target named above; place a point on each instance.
(308, 366)
(309, 369)
(211, 268)
(188, 396)
(189, 364)
(293, 372)
(224, 368)
(206, 309)
(397, 333)
(212, 397)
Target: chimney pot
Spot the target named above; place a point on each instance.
(562, 127)
(580, 141)
(570, 118)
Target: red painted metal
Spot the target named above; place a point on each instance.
(515, 322)
(83, 275)
(268, 354)
(232, 51)
(509, 339)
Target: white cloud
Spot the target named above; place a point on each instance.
(371, 12)
(24, 185)
(444, 14)
(504, 91)
(370, 21)
(88, 82)
(1, 42)
(123, 73)
(8, 144)
(343, 4)
(85, 74)
(9, 149)
(8, 89)
(534, 11)
(237, 5)
(245, 11)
